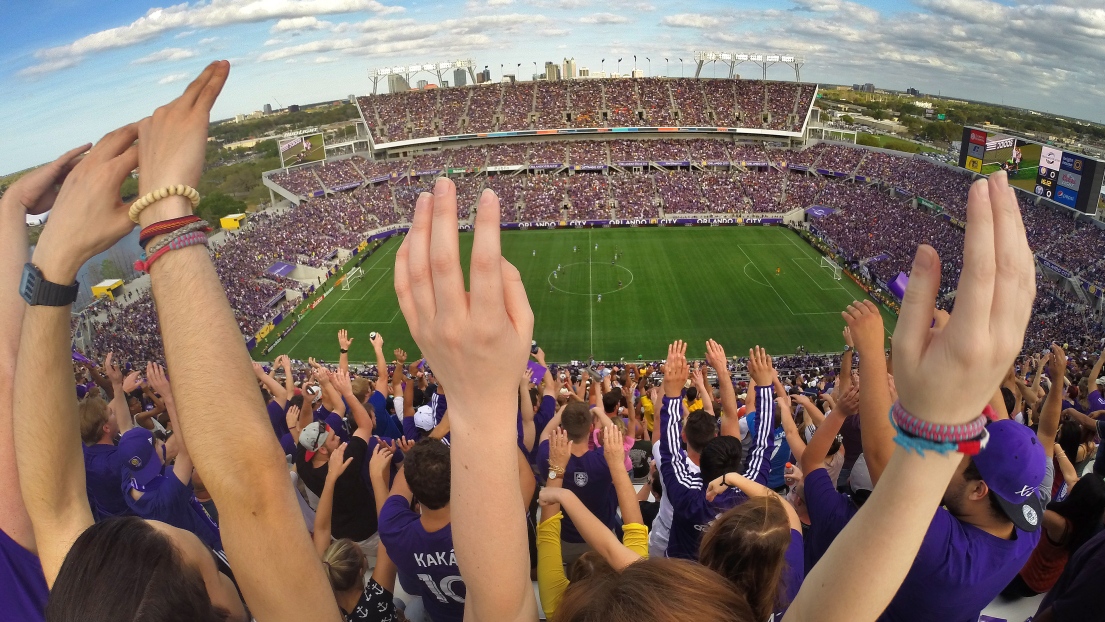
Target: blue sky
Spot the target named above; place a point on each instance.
(74, 69)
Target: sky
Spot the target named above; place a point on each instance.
(72, 70)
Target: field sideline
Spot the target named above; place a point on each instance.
(690, 283)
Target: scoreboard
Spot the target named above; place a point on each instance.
(1069, 179)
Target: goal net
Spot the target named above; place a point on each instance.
(352, 278)
(831, 265)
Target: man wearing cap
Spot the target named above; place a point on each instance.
(354, 511)
(155, 491)
(983, 534)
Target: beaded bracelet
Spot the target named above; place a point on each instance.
(164, 227)
(970, 447)
(199, 225)
(188, 192)
(936, 432)
(194, 238)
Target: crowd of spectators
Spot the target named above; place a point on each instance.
(340, 173)
(614, 102)
(301, 180)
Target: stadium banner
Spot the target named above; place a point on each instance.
(345, 187)
(500, 169)
(318, 193)
(317, 301)
(589, 167)
(636, 222)
(1054, 267)
(300, 317)
(666, 163)
(861, 178)
(798, 167)
(272, 346)
(277, 298)
(289, 329)
(339, 280)
(903, 191)
(819, 211)
(280, 268)
(276, 320)
(435, 171)
(251, 344)
(545, 166)
(1093, 289)
(328, 292)
(632, 163)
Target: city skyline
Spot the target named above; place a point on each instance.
(79, 68)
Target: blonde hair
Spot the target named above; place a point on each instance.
(345, 564)
(93, 416)
(361, 388)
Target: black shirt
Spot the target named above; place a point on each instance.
(1077, 593)
(354, 514)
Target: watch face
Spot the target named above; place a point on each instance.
(29, 282)
(552, 474)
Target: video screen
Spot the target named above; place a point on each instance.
(302, 149)
(1019, 158)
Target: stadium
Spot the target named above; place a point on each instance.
(653, 477)
(710, 189)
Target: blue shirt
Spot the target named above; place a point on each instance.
(780, 453)
(693, 514)
(103, 466)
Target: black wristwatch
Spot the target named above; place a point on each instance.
(36, 290)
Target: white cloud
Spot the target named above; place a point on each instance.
(176, 77)
(325, 59)
(552, 32)
(200, 14)
(208, 41)
(182, 35)
(300, 23)
(166, 55)
(273, 41)
(691, 20)
(604, 18)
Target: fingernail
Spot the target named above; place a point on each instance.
(439, 185)
(923, 260)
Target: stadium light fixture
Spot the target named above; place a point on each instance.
(762, 59)
(438, 69)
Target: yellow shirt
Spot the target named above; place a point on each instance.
(690, 407)
(649, 412)
(551, 580)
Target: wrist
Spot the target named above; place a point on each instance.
(55, 267)
(165, 209)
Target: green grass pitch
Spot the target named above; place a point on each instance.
(690, 283)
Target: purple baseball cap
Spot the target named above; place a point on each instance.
(140, 461)
(1013, 465)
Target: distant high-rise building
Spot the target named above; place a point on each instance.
(569, 68)
(637, 73)
(912, 91)
(483, 76)
(552, 71)
(868, 88)
(268, 109)
(352, 99)
(397, 83)
(422, 84)
(293, 108)
(584, 72)
(459, 79)
(509, 78)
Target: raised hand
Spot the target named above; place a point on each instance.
(259, 370)
(292, 418)
(400, 357)
(111, 370)
(173, 142)
(866, 327)
(1057, 364)
(338, 462)
(760, 367)
(342, 382)
(88, 217)
(676, 369)
(475, 342)
(132, 381)
(613, 447)
(37, 190)
(540, 357)
(377, 341)
(848, 403)
(527, 376)
(715, 355)
(947, 375)
(405, 444)
(560, 448)
(380, 463)
(344, 340)
(158, 380)
(284, 362)
(848, 338)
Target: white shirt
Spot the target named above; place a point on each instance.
(661, 525)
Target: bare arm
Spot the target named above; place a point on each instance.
(794, 439)
(344, 341)
(867, 330)
(1095, 372)
(730, 422)
(1049, 415)
(554, 423)
(752, 489)
(379, 466)
(526, 406)
(204, 348)
(703, 394)
(810, 409)
(344, 386)
(118, 405)
(594, 532)
(182, 466)
(270, 383)
(1066, 467)
(818, 449)
(381, 363)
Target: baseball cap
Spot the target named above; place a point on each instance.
(1101, 381)
(140, 461)
(1013, 465)
(313, 437)
(424, 418)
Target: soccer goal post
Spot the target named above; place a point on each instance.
(351, 278)
(832, 266)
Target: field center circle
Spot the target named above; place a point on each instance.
(593, 264)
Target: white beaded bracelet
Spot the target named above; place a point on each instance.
(181, 190)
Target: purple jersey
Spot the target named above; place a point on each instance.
(103, 465)
(426, 556)
(794, 572)
(170, 501)
(278, 418)
(1097, 402)
(23, 589)
(589, 478)
(829, 512)
(692, 512)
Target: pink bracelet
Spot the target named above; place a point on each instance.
(918, 428)
(189, 239)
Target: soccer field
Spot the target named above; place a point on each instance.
(690, 283)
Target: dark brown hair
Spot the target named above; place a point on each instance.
(655, 590)
(699, 429)
(576, 421)
(124, 569)
(748, 546)
(426, 467)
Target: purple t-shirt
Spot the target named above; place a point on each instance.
(829, 512)
(958, 571)
(794, 572)
(23, 591)
(103, 465)
(589, 478)
(426, 556)
(1097, 402)
(168, 500)
(278, 418)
